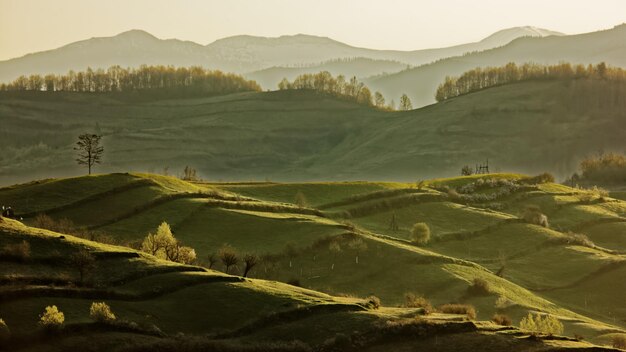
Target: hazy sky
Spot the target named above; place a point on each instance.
(34, 25)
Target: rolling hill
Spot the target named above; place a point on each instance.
(357, 67)
(577, 284)
(239, 54)
(420, 83)
(529, 127)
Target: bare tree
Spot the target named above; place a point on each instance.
(228, 256)
(212, 260)
(84, 262)
(89, 150)
(251, 261)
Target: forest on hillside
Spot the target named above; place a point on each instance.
(481, 78)
(193, 79)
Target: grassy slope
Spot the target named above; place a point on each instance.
(291, 135)
(530, 261)
(196, 302)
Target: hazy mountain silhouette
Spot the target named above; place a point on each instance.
(237, 54)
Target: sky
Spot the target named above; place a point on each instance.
(34, 25)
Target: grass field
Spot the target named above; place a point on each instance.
(538, 268)
(302, 136)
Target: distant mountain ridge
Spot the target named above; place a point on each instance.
(588, 48)
(240, 54)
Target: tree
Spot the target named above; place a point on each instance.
(189, 174)
(228, 256)
(546, 324)
(405, 103)
(466, 170)
(212, 260)
(301, 200)
(420, 234)
(284, 84)
(379, 100)
(84, 262)
(89, 150)
(250, 261)
(393, 223)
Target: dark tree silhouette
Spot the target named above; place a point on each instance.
(228, 256)
(89, 150)
(84, 262)
(251, 261)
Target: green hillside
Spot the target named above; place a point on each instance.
(157, 302)
(598, 46)
(529, 127)
(526, 267)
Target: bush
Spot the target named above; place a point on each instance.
(502, 319)
(17, 251)
(420, 234)
(52, 318)
(619, 341)
(412, 300)
(5, 333)
(466, 309)
(545, 324)
(373, 302)
(533, 215)
(479, 287)
(101, 312)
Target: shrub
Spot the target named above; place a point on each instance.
(502, 319)
(5, 333)
(101, 312)
(533, 215)
(420, 234)
(619, 341)
(373, 302)
(412, 300)
(466, 309)
(479, 287)
(545, 324)
(17, 251)
(52, 318)
(466, 170)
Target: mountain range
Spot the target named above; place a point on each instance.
(268, 60)
(241, 54)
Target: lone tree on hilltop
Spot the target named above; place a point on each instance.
(89, 150)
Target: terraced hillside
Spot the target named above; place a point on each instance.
(156, 302)
(529, 127)
(341, 242)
